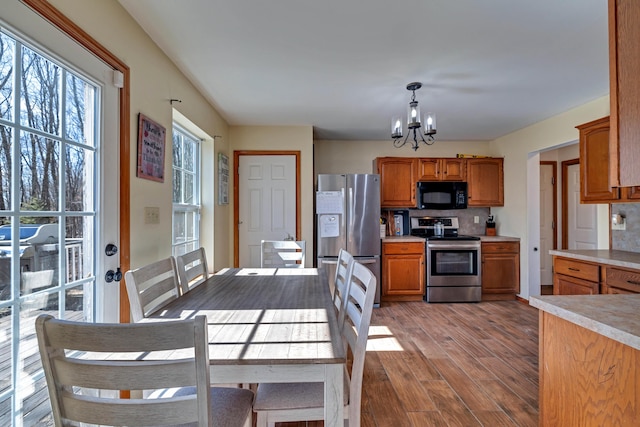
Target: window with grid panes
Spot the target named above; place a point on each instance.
(186, 191)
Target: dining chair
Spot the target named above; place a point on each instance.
(192, 269)
(282, 253)
(87, 365)
(152, 287)
(284, 402)
(342, 278)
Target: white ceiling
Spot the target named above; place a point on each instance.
(488, 67)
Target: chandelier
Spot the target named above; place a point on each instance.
(413, 123)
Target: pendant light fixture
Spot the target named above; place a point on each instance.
(413, 123)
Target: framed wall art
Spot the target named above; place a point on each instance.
(223, 179)
(151, 142)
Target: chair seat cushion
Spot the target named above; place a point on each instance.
(277, 396)
(230, 406)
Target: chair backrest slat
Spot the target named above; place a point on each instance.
(151, 287)
(362, 289)
(192, 269)
(87, 364)
(341, 284)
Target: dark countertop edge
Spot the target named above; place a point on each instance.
(602, 256)
(589, 311)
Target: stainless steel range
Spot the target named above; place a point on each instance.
(453, 260)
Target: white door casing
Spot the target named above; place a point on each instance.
(267, 203)
(581, 218)
(547, 223)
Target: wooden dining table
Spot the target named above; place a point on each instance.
(269, 325)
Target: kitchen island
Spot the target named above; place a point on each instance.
(589, 360)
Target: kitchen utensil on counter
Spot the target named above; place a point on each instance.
(491, 226)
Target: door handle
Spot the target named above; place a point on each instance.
(113, 276)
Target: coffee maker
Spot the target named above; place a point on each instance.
(401, 222)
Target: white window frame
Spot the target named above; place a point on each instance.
(195, 208)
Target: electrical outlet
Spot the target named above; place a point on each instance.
(622, 226)
(152, 215)
(476, 219)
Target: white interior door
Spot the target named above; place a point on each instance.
(267, 203)
(581, 218)
(547, 223)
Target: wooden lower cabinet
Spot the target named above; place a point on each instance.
(588, 379)
(403, 271)
(573, 277)
(500, 270)
(620, 281)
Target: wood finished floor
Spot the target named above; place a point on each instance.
(450, 365)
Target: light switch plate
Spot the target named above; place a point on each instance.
(476, 219)
(151, 215)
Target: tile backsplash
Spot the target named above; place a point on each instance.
(465, 218)
(628, 239)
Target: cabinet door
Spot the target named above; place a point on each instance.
(567, 285)
(403, 275)
(500, 273)
(428, 169)
(441, 169)
(624, 66)
(397, 181)
(485, 179)
(453, 169)
(594, 163)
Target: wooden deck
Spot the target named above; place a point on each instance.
(442, 365)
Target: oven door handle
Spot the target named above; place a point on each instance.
(452, 245)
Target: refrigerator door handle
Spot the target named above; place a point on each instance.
(367, 260)
(330, 261)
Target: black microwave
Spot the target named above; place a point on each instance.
(442, 195)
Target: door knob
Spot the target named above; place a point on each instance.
(113, 276)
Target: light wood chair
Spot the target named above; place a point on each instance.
(283, 402)
(152, 287)
(192, 269)
(84, 377)
(342, 279)
(282, 253)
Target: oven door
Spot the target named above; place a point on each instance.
(451, 263)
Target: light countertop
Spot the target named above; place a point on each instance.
(613, 316)
(602, 256)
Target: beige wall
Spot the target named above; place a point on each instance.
(298, 138)
(154, 81)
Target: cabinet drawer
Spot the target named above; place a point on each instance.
(402, 248)
(623, 279)
(581, 270)
(500, 247)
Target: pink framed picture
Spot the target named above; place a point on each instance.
(151, 141)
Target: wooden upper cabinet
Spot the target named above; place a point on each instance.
(397, 181)
(441, 169)
(485, 178)
(594, 163)
(624, 92)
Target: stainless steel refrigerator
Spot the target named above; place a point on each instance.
(348, 217)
